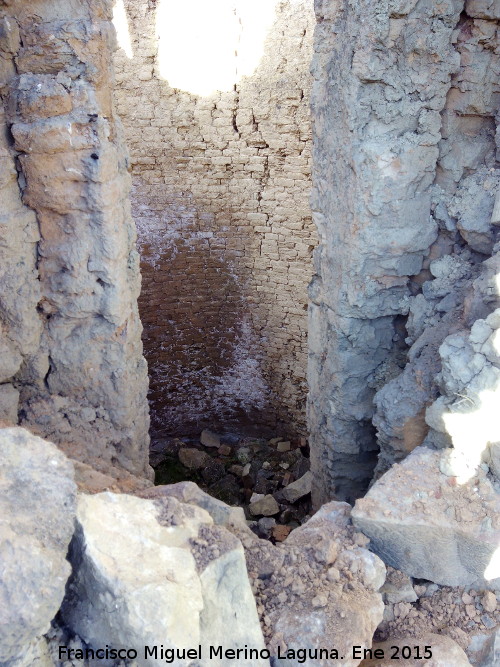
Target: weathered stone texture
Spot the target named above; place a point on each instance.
(37, 509)
(420, 521)
(405, 182)
(20, 326)
(221, 199)
(444, 652)
(151, 573)
(70, 331)
(319, 588)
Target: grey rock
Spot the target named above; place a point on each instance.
(265, 505)
(355, 610)
(298, 489)
(72, 315)
(472, 206)
(9, 403)
(484, 9)
(489, 601)
(376, 143)
(37, 654)
(466, 411)
(494, 459)
(266, 525)
(484, 649)
(493, 657)
(419, 524)
(192, 458)
(398, 588)
(183, 592)
(210, 439)
(10, 359)
(37, 506)
(70, 279)
(189, 492)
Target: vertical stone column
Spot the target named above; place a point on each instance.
(86, 384)
(20, 325)
(382, 71)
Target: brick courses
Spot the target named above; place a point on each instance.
(221, 201)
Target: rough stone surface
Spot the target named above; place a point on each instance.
(9, 403)
(69, 327)
(398, 587)
(189, 492)
(181, 594)
(456, 612)
(264, 505)
(445, 652)
(36, 654)
(466, 411)
(221, 199)
(116, 479)
(209, 439)
(37, 509)
(298, 489)
(426, 524)
(404, 129)
(318, 588)
(193, 459)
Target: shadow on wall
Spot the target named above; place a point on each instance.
(220, 199)
(202, 352)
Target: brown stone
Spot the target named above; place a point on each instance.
(280, 533)
(192, 458)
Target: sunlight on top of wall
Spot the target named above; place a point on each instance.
(471, 432)
(205, 47)
(120, 22)
(493, 569)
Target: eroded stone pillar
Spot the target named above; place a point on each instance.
(382, 72)
(82, 380)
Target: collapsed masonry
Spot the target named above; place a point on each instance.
(405, 170)
(320, 590)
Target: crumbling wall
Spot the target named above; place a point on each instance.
(221, 200)
(71, 363)
(405, 176)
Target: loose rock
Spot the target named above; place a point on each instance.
(37, 509)
(422, 523)
(181, 594)
(299, 488)
(266, 506)
(209, 439)
(194, 459)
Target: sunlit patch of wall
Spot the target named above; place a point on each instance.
(214, 99)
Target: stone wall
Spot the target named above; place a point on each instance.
(405, 176)
(221, 201)
(71, 363)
